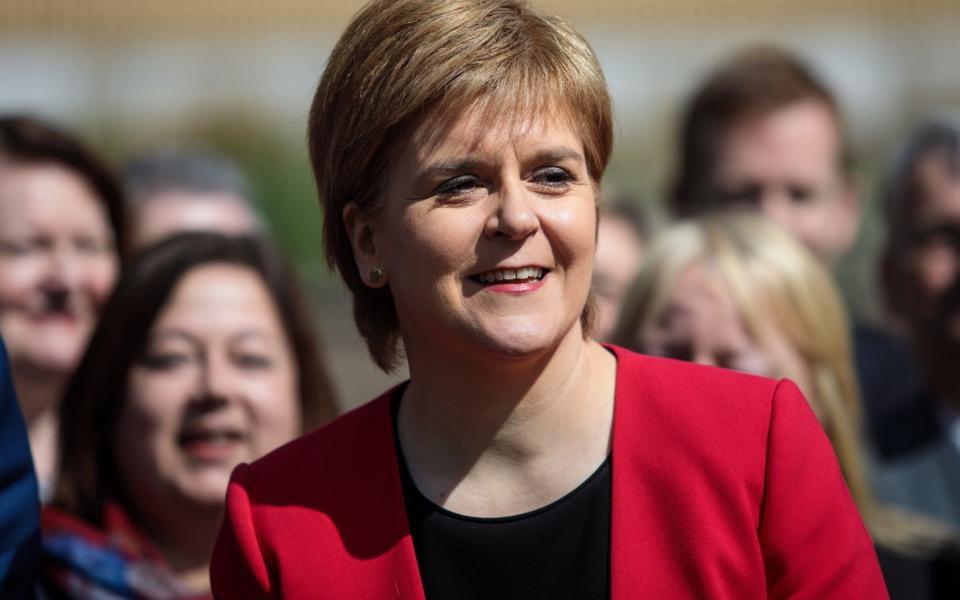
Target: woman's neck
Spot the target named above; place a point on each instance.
(507, 436)
(39, 397)
(187, 545)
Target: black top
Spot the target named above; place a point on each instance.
(559, 551)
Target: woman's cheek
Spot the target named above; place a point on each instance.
(276, 410)
(101, 281)
(18, 278)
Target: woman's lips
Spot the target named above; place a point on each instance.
(211, 445)
(510, 274)
(515, 281)
(55, 317)
(516, 287)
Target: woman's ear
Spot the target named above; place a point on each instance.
(360, 230)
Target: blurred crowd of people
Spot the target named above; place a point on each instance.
(156, 337)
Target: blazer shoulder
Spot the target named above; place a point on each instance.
(334, 493)
(668, 379)
(359, 441)
(725, 416)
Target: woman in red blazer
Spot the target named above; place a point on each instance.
(458, 146)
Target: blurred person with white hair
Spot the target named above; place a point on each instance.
(173, 191)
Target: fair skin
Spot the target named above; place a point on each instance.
(786, 165)
(57, 265)
(619, 252)
(174, 211)
(217, 386)
(508, 407)
(700, 322)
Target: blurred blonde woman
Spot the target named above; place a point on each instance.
(735, 291)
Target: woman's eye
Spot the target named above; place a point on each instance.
(14, 248)
(458, 186)
(162, 361)
(743, 196)
(801, 194)
(91, 245)
(253, 361)
(677, 351)
(730, 360)
(552, 177)
(747, 363)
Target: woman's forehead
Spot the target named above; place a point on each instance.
(483, 123)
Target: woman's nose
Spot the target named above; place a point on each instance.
(63, 267)
(514, 217)
(215, 380)
(61, 276)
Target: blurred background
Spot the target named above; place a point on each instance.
(237, 77)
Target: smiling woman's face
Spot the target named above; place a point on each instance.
(487, 235)
(57, 265)
(216, 386)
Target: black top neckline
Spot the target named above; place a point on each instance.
(601, 471)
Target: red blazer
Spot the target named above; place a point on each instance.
(724, 486)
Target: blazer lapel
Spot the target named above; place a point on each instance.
(400, 562)
(626, 520)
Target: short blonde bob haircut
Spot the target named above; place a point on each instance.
(768, 272)
(402, 62)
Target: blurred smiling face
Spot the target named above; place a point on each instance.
(216, 386)
(57, 265)
(700, 322)
(487, 234)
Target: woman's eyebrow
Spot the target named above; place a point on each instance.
(443, 169)
(450, 167)
(170, 334)
(558, 154)
(254, 334)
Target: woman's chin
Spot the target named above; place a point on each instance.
(522, 338)
(53, 361)
(206, 494)
(207, 501)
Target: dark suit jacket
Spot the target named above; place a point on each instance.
(724, 486)
(891, 389)
(19, 498)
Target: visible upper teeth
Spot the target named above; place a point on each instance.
(511, 274)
